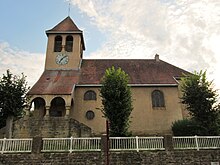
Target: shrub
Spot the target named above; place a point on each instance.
(187, 127)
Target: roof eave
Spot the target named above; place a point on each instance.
(47, 93)
(132, 85)
(62, 32)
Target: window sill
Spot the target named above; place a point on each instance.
(159, 108)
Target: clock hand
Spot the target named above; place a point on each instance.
(62, 58)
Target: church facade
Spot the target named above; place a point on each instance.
(69, 86)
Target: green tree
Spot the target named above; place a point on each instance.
(13, 100)
(116, 100)
(201, 101)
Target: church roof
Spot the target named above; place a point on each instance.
(142, 72)
(55, 82)
(66, 25)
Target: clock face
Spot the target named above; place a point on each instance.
(62, 59)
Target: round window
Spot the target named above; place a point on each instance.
(90, 115)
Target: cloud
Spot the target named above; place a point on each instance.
(184, 33)
(19, 61)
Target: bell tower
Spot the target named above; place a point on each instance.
(54, 89)
(65, 46)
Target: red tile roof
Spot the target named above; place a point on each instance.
(55, 82)
(141, 72)
(66, 25)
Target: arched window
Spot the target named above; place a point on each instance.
(38, 107)
(58, 44)
(69, 44)
(90, 95)
(57, 107)
(157, 99)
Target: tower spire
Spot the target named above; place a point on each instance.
(69, 9)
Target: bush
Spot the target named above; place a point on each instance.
(187, 127)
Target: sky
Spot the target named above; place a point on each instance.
(184, 33)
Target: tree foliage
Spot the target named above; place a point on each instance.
(201, 101)
(13, 98)
(116, 100)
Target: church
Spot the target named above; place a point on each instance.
(68, 90)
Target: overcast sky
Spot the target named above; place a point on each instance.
(185, 33)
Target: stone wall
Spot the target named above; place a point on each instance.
(2, 133)
(189, 157)
(49, 127)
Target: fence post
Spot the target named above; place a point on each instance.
(168, 142)
(137, 144)
(3, 146)
(105, 147)
(71, 144)
(103, 142)
(197, 144)
(37, 145)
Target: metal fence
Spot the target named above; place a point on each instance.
(115, 144)
(71, 144)
(15, 145)
(196, 142)
(136, 143)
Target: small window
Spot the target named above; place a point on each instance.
(90, 95)
(90, 115)
(69, 44)
(58, 44)
(157, 99)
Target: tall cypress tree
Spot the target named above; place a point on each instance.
(116, 101)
